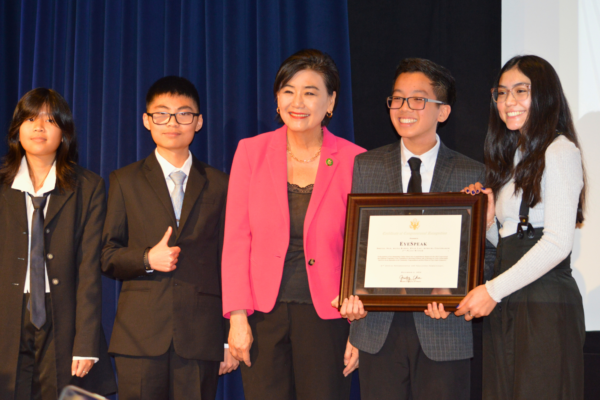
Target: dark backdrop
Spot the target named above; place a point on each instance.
(463, 36)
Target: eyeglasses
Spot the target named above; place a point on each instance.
(414, 103)
(182, 118)
(519, 92)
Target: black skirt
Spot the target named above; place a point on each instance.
(533, 339)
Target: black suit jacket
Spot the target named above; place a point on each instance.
(73, 228)
(182, 306)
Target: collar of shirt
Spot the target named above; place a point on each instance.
(23, 182)
(168, 168)
(428, 161)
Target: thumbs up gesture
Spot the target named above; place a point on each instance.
(162, 257)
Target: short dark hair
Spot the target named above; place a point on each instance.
(173, 85)
(30, 105)
(441, 79)
(314, 60)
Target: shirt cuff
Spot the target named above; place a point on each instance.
(75, 358)
(226, 345)
(490, 288)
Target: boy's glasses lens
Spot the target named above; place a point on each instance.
(183, 118)
(161, 118)
(414, 103)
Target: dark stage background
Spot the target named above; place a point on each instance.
(463, 36)
(103, 55)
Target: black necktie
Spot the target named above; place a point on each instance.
(37, 266)
(414, 184)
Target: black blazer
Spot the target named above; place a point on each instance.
(182, 306)
(73, 226)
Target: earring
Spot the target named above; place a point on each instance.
(329, 114)
(277, 110)
(63, 139)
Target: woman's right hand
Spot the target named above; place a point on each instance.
(240, 336)
(477, 188)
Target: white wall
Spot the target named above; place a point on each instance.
(567, 34)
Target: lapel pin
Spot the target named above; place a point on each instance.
(329, 162)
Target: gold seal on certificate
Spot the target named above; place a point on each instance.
(403, 251)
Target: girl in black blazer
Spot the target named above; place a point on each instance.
(50, 283)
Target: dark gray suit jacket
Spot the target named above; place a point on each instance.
(379, 171)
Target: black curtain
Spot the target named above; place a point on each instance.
(463, 36)
(103, 55)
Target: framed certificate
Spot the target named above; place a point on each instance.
(403, 251)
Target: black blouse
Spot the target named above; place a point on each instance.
(294, 282)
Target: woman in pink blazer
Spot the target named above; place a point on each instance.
(284, 230)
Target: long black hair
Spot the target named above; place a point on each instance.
(30, 105)
(548, 115)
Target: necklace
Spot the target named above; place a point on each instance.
(313, 158)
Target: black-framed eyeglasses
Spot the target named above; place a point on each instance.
(520, 92)
(414, 103)
(182, 118)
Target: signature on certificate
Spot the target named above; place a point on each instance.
(410, 278)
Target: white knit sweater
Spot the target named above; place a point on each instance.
(561, 185)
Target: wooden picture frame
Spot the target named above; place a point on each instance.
(360, 209)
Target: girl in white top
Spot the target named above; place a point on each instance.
(534, 335)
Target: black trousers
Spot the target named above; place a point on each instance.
(168, 376)
(36, 370)
(296, 355)
(401, 371)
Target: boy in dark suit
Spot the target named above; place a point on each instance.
(163, 237)
(414, 355)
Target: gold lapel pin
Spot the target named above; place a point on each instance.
(329, 162)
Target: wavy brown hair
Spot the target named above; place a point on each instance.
(549, 114)
(30, 105)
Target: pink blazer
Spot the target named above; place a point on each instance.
(257, 223)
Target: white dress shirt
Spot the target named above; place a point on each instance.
(23, 183)
(428, 160)
(168, 168)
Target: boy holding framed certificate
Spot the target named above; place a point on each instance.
(404, 354)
